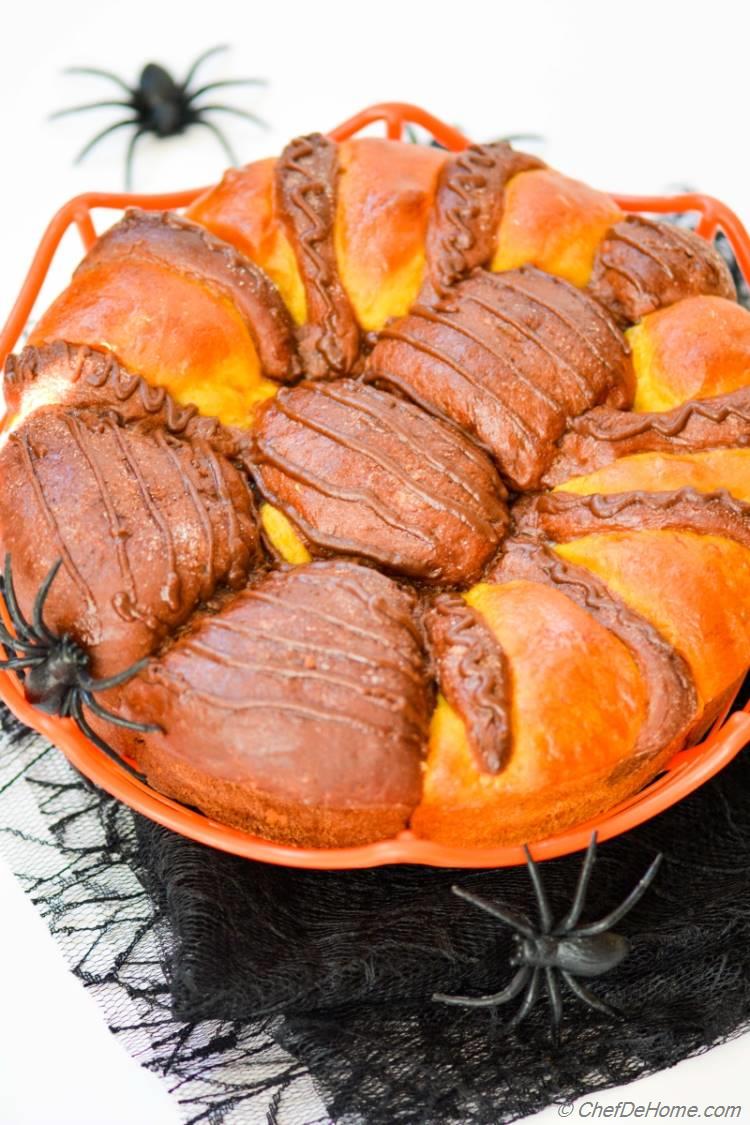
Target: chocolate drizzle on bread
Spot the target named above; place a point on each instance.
(561, 516)
(602, 435)
(310, 687)
(473, 676)
(381, 480)
(644, 265)
(306, 190)
(463, 226)
(510, 358)
(147, 524)
(183, 245)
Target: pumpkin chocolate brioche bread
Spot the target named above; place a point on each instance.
(419, 482)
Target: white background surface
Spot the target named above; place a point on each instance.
(634, 98)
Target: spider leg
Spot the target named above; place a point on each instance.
(545, 914)
(225, 82)
(220, 138)
(529, 1001)
(20, 624)
(620, 911)
(129, 157)
(117, 720)
(99, 74)
(590, 998)
(100, 137)
(7, 639)
(16, 662)
(93, 686)
(200, 109)
(515, 921)
(579, 898)
(88, 105)
(76, 712)
(39, 603)
(509, 993)
(553, 991)
(199, 62)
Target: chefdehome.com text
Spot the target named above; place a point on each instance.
(594, 1110)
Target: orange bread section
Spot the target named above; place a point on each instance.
(386, 192)
(554, 223)
(696, 348)
(578, 705)
(178, 334)
(705, 471)
(242, 211)
(694, 588)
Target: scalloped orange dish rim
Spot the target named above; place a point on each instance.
(685, 772)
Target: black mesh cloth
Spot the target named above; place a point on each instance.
(351, 960)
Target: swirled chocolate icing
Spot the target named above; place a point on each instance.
(147, 525)
(363, 473)
(305, 694)
(510, 358)
(603, 435)
(463, 226)
(473, 676)
(561, 516)
(306, 191)
(643, 265)
(77, 376)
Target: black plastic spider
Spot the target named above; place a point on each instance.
(55, 669)
(162, 106)
(566, 949)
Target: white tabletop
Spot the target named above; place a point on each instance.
(634, 98)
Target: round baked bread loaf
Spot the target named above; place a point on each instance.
(421, 480)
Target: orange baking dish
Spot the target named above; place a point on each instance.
(685, 772)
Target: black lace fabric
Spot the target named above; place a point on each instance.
(274, 995)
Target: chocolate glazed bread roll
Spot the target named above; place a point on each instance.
(510, 358)
(362, 473)
(148, 521)
(298, 711)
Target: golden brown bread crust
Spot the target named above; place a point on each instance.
(183, 245)
(672, 704)
(379, 480)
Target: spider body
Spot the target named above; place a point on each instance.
(160, 102)
(55, 669)
(162, 106)
(560, 952)
(582, 956)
